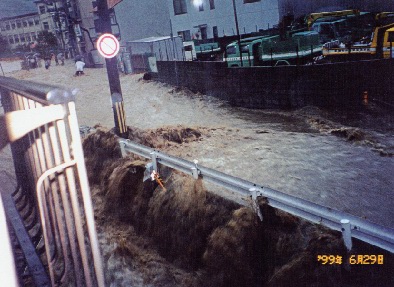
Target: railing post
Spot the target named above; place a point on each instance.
(122, 149)
(255, 204)
(154, 161)
(195, 171)
(346, 233)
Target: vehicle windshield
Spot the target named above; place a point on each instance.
(341, 28)
(245, 48)
(231, 50)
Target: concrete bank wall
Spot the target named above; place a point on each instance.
(287, 86)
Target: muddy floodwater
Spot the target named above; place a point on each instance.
(338, 158)
(341, 158)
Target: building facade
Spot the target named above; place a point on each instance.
(61, 17)
(20, 30)
(138, 21)
(206, 19)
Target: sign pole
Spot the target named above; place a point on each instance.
(112, 72)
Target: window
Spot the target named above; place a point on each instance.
(46, 25)
(7, 26)
(215, 32)
(33, 36)
(36, 21)
(211, 4)
(31, 22)
(42, 9)
(13, 26)
(22, 37)
(185, 35)
(11, 39)
(16, 38)
(201, 7)
(244, 48)
(2, 27)
(25, 23)
(27, 37)
(18, 24)
(390, 37)
(231, 50)
(251, 1)
(180, 7)
(204, 34)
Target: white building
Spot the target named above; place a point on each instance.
(205, 19)
(20, 30)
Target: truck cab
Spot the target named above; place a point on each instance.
(379, 46)
(249, 49)
(383, 41)
(330, 30)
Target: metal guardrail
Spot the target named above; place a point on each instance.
(8, 275)
(349, 225)
(53, 198)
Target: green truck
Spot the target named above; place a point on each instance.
(298, 48)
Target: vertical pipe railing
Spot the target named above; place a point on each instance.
(50, 168)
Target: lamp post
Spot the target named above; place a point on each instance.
(237, 28)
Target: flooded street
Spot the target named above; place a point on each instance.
(340, 159)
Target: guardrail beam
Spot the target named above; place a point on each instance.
(359, 228)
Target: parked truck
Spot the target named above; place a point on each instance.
(380, 45)
(298, 48)
(345, 26)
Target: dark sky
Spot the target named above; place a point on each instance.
(9, 8)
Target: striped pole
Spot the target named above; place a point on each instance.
(119, 114)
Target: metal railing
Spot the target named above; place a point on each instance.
(245, 191)
(53, 197)
(8, 275)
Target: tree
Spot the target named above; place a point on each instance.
(46, 41)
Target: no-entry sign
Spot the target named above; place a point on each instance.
(108, 45)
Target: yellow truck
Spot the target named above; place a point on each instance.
(379, 46)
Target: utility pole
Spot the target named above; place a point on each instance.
(112, 71)
(237, 28)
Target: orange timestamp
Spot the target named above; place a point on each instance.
(369, 259)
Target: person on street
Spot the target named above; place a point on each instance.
(79, 64)
(60, 58)
(55, 58)
(47, 60)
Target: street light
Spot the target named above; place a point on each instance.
(237, 28)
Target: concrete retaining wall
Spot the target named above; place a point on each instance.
(287, 86)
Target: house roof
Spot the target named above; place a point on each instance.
(12, 8)
(151, 39)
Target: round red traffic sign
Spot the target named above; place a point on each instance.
(108, 46)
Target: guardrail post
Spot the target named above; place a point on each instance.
(346, 233)
(154, 161)
(255, 204)
(122, 149)
(195, 171)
